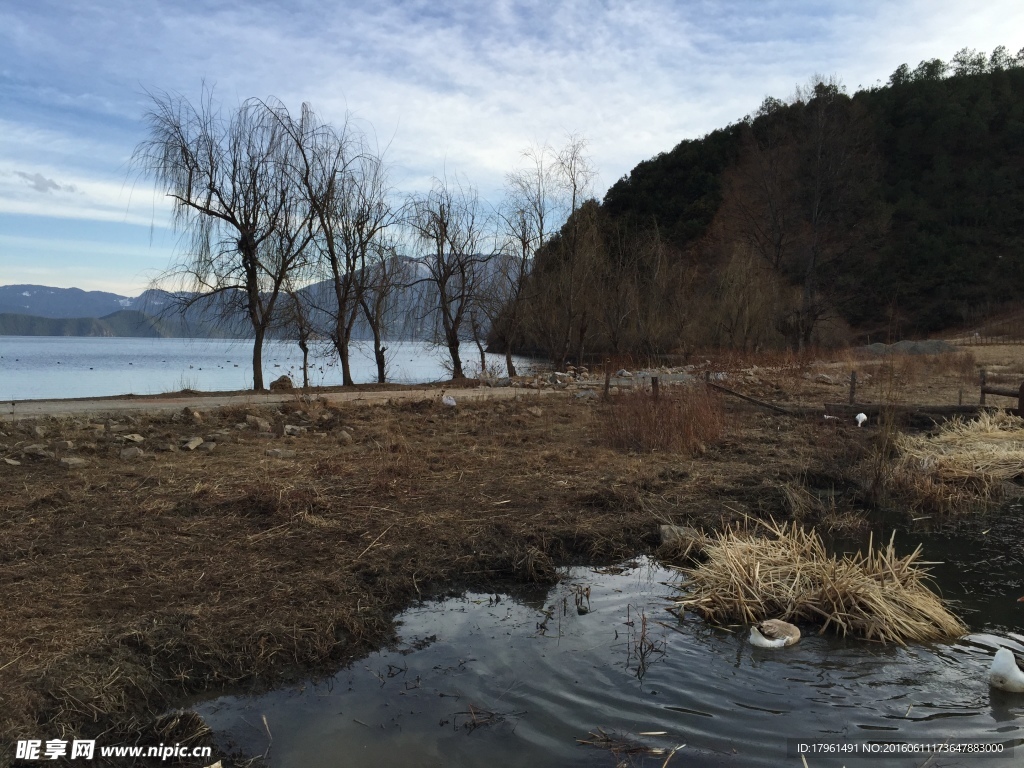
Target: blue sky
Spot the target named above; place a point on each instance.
(447, 86)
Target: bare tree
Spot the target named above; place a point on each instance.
(385, 272)
(449, 224)
(524, 218)
(228, 179)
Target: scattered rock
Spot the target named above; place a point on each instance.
(260, 425)
(291, 429)
(345, 437)
(282, 384)
(117, 427)
(12, 462)
(192, 415)
(586, 394)
(280, 453)
(206, 447)
(622, 373)
(135, 437)
(536, 411)
(71, 462)
(167, 447)
(37, 450)
(824, 378)
(63, 445)
(39, 432)
(448, 400)
(192, 443)
(131, 452)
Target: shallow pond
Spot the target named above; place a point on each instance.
(520, 680)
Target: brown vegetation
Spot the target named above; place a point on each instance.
(683, 422)
(788, 574)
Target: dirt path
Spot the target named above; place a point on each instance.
(163, 404)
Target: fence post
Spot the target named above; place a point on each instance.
(982, 401)
(607, 377)
(1020, 401)
(654, 387)
(853, 387)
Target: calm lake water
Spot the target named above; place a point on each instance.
(485, 680)
(41, 367)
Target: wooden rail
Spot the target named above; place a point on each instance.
(988, 389)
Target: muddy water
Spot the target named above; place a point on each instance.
(485, 680)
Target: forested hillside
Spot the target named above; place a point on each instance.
(824, 217)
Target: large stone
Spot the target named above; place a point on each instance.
(282, 384)
(536, 411)
(131, 452)
(345, 437)
(192, 415)
(12, 462)
(192, 443)
(71, 462)
(260, 425)
(37, 450)
(135, 437)
(63, 445)
(281, 453)
(291, 429)
(206, 447)
(39, 432)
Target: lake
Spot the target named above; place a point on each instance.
(43, 367)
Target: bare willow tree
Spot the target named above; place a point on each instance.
(346, 187)
(524, 218)
(449, 225)
(385, 272)
(228, 179)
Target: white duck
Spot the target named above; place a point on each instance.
(774, 633)
(1005, 673)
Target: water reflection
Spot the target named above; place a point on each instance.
(485, 680)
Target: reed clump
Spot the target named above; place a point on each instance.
(965, 463)
(787, 574)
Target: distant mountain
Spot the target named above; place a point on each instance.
(127, 322)
(38, 310)
(43, 301)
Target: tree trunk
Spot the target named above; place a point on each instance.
(305, 363)
(378, 353)
(257, 360)
(508, 362)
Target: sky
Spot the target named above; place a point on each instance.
(444, 86)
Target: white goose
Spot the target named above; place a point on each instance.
(774, 633)
(1006, 674)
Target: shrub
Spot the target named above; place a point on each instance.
(679, 421)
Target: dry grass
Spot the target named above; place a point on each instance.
(963, 466)
(789, 575)
(683, 420)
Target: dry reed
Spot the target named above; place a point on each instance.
(789, 575)
(966, 462)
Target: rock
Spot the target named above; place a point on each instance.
(206, 447)
(345, 437)
(131, 452)
(192, 443)
(291, 429)
(536, 411)
(71, 462)
(586, 394)
(448, 400)
(63, 445)
(135, 437)
(167, 447)
(12, 462)
(211, 438)
(37, 450)
(280, 453)
(192, 415)
(823, 378)
(39, 432)
(622, 373)
(117, 427)
(504, 381)
(282, 384)
(260, 425)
